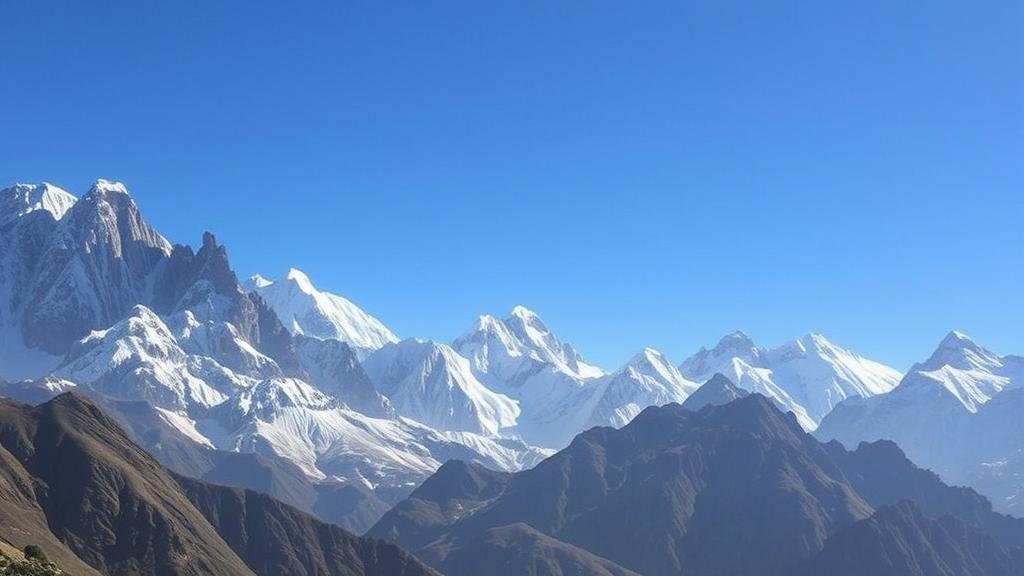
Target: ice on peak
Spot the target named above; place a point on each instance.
(959, 351)
(300, 280)
(304, 309)
(108, 186)
(258, 281)
(523, 312)
(735, 339)
(141, 311)
(647, 356)
(527, 317)
(957, 339)
(485, 322)
(21, 199)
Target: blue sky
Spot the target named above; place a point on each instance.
(653, 173)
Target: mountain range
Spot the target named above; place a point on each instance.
(504, 448)
(957, 413)
(737, 488)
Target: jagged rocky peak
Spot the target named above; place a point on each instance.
(97, 261)
(107, 207)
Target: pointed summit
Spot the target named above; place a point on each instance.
(523, 312)
(648, 379)
(300, 280)
(648, 356)
(735, 339)
(22, 199)
(103, 186)
(717, 391)
(303, 309)
(959, 351)
(256, 281)
(808, 375)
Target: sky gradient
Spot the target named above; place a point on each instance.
(640, 175)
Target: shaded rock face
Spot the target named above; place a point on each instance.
(717, 391)
(899, 540)
(97, 262)
(276, 539)
(62, 279)
(105, 499)
(335, 370)
(660, 496)
(731, 489)
(99, 504)
(204, 283)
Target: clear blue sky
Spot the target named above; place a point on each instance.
(640, 173)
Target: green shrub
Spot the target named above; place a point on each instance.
(33, 552)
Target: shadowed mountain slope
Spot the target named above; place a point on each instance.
(737, 488)
(91, 496)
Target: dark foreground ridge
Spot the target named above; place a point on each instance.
(72, 483)
(731, 489)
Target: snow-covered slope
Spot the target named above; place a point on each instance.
(289, 418)
(21, 199)
(937, 413)
(220, 341)
(139, 359)
(516, 348)
(521, 358)
(334, 369)
(931, 402)
(648, 379)
(311, 312)
(429, 382)
(972, 374)
(807, 376)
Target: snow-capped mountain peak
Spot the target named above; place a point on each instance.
(103, 186)
(533, 335)
(648, 379)
(257, 281)
(138, 358)
(959, 351)
(808, 375)
(965, 370)
(308, 311)
(707, 362)
(301, 281)
(652, 362)
(431, 383)
(21, 199)
(735, 340)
